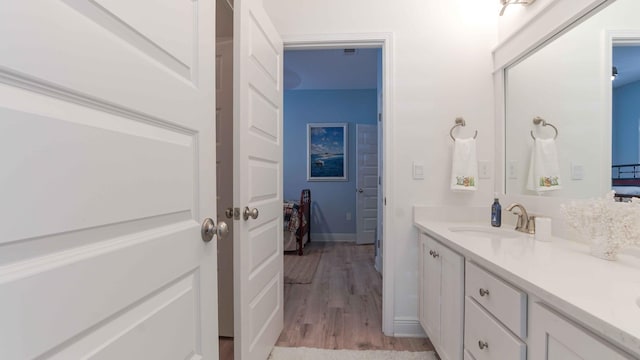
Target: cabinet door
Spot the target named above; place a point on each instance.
(432, 283)
(422, 258)
(451, 303)
(555, 338)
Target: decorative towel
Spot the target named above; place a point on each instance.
(464, 168)
(544, 171)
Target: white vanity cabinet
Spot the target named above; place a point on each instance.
(495, 316)
(553, 337)
(441, 297)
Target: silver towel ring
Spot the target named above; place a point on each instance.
(537, 120)
(460, 122)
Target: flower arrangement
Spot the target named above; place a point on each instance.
(608, 224)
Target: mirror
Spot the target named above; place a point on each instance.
(567, 82)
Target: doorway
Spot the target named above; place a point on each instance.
(384, 257)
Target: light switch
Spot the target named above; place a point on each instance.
(418, 170)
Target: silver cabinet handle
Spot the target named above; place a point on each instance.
(435, 254)
(209, 229)
(253, 213)
(431, 252)
(483, 344)
(483, 292)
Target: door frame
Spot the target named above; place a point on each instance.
(385, 42)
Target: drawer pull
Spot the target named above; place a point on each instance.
(483, 344)
(431, 252)
(435, 254)
(483, 292)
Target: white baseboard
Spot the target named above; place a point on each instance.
(333, 237)
(378, 264)
(407, 327)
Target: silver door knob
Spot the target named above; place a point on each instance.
(360, 190)
(253, 213)
(209, 229)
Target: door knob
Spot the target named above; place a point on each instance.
(253, 213)
(209, 229)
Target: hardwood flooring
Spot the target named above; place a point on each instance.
(342, 307)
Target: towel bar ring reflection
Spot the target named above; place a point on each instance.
(460, 122)
(537, 120)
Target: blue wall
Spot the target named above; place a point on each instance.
(626, 116)
(331, 200)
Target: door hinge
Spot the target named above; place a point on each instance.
(385, 201)
(379, 180)
(379, 117)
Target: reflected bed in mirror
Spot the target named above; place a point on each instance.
(568, 83)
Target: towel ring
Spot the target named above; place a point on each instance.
(537, 120)
(460, 122)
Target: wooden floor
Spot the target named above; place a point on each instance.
(342, 307)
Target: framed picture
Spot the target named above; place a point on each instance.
(327, 152)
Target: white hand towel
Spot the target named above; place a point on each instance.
(544, 171)
(464, 167)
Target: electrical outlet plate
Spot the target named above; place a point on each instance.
(484, 169)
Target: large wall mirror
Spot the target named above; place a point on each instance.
(568, 82)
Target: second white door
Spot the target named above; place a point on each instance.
(367, 183)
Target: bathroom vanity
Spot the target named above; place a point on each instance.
(494, 293)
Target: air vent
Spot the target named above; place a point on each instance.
(349, 51)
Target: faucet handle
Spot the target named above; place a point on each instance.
(531, 224)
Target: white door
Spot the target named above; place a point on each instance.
(258, 260)
(107, 153)
(367, 183)
(224, 174)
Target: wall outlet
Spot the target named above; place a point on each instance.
(512, 170)
(577, 172)
(348, 216)
(484, 169)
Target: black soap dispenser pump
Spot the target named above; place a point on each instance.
(496, 212)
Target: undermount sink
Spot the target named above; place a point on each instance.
(487, 231)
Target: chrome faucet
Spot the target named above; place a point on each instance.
(525, 223)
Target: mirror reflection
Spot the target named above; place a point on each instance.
(568, 83)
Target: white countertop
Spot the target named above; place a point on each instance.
(602, 295)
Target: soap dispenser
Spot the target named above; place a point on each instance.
(496, 212)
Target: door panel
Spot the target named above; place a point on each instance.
(107, 143)
(258, 249)
(367, 181)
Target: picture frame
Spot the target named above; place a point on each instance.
(327, 145)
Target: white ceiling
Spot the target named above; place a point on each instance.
(627, 60)
(330, 69)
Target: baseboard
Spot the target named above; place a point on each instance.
(333, 237)
(407, 327)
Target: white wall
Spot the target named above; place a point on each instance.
(442, 69)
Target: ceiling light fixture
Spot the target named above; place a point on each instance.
(614, 73)
(506, 3)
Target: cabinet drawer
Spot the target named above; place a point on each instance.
(506, 303)
(486, 339)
